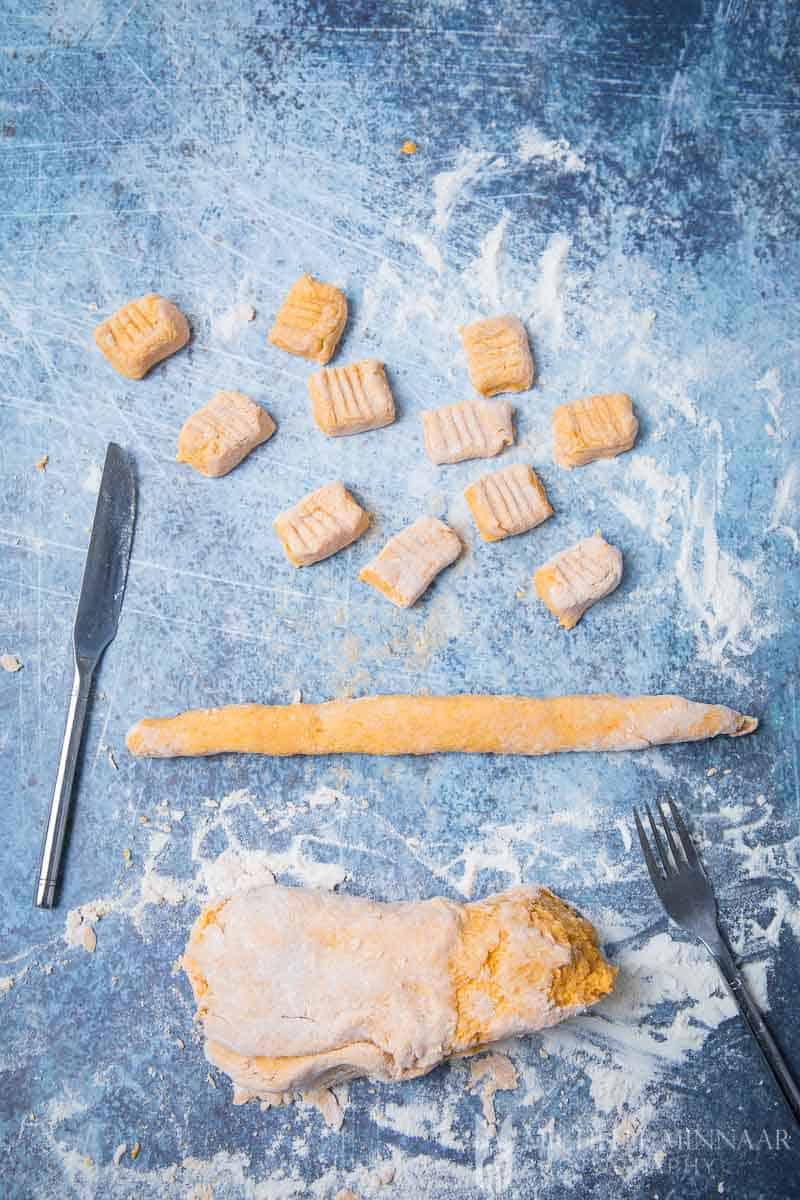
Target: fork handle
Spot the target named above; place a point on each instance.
(758, 1026)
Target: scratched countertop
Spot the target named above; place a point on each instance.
(623, 177)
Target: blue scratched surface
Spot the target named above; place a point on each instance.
(623, 176)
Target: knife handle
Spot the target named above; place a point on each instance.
(53, 843)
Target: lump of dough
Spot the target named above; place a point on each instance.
(474, 429)
(498, 355)
(299, 989)
(321, 524)
(311, 320)
(598, 427)
(141, 334)
(352, 399)
(219, 435)
(410, 561)
(578, 577)
(509, 501)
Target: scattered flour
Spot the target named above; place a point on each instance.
(548, 297)
(449, 187)
(533, 144)
(770, 384)
(786, 503)
(488, 267)
(228, 325)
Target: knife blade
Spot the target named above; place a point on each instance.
(99, 605)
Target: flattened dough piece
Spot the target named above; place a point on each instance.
(311, 320)
(578, 577)
(474, 429)
(352, 399)
(299, 989)
(410, 561)
(597, 427)
(218, 436)
(321, 524)
(141, 334)
(509, 501)
(498, 355)
(438, 724)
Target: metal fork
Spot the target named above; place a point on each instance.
(684, 889)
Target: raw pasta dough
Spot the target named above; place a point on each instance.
(498, 355)
(474, 429)
(598, 427)
(299, 989)
(311, 320)
(320, 525)
(577, 578)
(352, 399)
(218, 436)
(141, 334)
(410, 561)
(506, 502)
(434, 724)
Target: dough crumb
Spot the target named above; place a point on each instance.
(489, 1075)
(136, 1150)
(230, 323)
(79, 932)
(10, 663)
(119, 1153)
(41, 464)
(329, 1105)
(346, 1194)
(409, 147)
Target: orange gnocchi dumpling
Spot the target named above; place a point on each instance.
(498, 355)
(411, 560)
(320, 525)
(311, 320)
(598, 427)
(218, 436)
(352, 399)
(474, 429)
(578, 577)
(141, 334)
(509, 501)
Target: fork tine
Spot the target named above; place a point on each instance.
(673, 845)
(683, 834)
(665, 863)
(652, 865)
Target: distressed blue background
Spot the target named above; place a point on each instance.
(212, 154)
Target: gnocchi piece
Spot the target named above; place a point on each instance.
(352, 399)
(598, 427)
(320, 525)
(218, 436)
(474, 429)
(577, 578)
(411, 560)
(311, 320)
(509, 501)
(498, 355)
(141, 334)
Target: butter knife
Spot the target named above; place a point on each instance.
(99, 605)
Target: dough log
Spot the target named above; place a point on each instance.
(299, 989)
(436, 724)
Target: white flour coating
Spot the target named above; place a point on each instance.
(770, 385)
(547, 308)
(488, 268)
(785, 506)
(228, 325)
(450, 187)
(533, 144)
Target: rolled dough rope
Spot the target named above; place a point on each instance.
(435, 724)
(300, 989)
